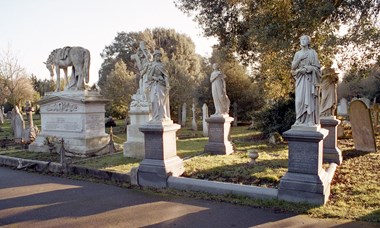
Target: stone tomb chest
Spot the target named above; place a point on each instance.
(78, 118)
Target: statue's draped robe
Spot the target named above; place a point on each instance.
(307, 87)
(219, 95)
(158, 89)
(329, 96)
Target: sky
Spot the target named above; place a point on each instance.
(31, 29)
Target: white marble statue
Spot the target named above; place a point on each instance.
(307, 72)
(143, 61)
(18, 124)
(76, 57)
(329, 96)
(158, 88)
(219, 94)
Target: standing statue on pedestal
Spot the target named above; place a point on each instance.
(329, 97)
(219, 94)
(158, 88)
(76, 57)
(306, 69)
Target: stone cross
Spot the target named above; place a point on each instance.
(194, 122)
(2, 115)
(204, 117)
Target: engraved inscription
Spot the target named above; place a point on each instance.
(62, 106)
(94, 121)
(63, 124)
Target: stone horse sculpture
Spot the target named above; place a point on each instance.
(76, 57)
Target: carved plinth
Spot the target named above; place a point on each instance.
(139, 115)
(305, 180)
(219, 131)
(161, 160)
(78, 118)
(331, 152)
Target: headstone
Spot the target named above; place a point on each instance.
(362, 128)
(194, 126)
(183, 120)
(75, 116)
(342, 107)
(18, 125)
(204, 117)
(366, 101)
(2, 117)
(235, 105)
(375, 113)
(161, 160)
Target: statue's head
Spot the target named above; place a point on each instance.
(305, 40)
(50, 67)
(215, 66)
(157, 54)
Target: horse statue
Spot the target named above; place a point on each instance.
(76, 57)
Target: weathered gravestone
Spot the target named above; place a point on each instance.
(204, 117)
(362, 128)
(194, 126)
(342, 107)
(183, 120)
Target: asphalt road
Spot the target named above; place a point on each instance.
(35, 200)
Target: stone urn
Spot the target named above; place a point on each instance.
(253, 155)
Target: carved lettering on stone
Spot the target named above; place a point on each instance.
(62, 107)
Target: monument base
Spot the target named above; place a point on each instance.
(219, 130)
(305, 180)
(331, 152)
(78, 118)
(161, 160)
(139, 115)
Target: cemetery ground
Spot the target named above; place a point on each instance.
(355, 189)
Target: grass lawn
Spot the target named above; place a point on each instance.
(355, 190)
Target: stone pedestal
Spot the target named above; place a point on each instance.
(161, 160)
(219, 130)
(331, 152)
(75, 116)
(139, 115)
(305, 180)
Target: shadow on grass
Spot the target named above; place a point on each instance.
(372, 217)
(352, 153)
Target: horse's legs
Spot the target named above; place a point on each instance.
(65, 71)
(80, 78)
(57, 71)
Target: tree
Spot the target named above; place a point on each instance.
(266, 32)
(15, 85)
(182, 64)
(119, 88)
(42, 86)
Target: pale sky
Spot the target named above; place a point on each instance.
(33, 28)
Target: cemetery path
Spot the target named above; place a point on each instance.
(37, 200)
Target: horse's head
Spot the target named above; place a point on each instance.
(50, 67)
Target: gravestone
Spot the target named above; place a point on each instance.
(183, 120)
(31, 131)
(362, 128)
(235, 105)
(219, 127)
(204, 117)
(2, 115)
(194, 126)
(75, 116)
(366, 101)
(342, 107)
(375, 113)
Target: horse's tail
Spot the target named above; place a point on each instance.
(86, 66)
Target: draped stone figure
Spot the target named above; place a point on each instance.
(18, 124)
(329, 97)
(306, 69)
(219, 94)
(158, 88)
